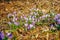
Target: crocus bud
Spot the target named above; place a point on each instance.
(2, 35)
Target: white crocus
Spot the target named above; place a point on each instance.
(26, 24)
(8, 33)
(31, 25)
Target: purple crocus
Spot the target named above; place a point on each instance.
(9, 35)
(0, 38)
(57, 18)
(1, 35)
(33, 18)
(58, 21)
(51, 26)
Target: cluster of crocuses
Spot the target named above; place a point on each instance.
(5, 37)
(36, 17)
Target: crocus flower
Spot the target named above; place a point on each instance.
(26, 24)
(43, 17)
(33, 18)
(1, 35)
(30, 26)
(25, 18)
(51, 26)
(57, 18)
(0, 38)
(58, 21)
(14, 19)
(9, 35)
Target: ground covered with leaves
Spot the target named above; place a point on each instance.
(30, 20)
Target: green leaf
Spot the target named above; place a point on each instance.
(40, 13)
(13, 27)
(58, 26)
(21, 23)
(52, 14)
(37, 16)
(38, 23)
(32, 28)
(53, 21)
(29, 21)
(14, 38)
(53, 30)
(25, 29)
